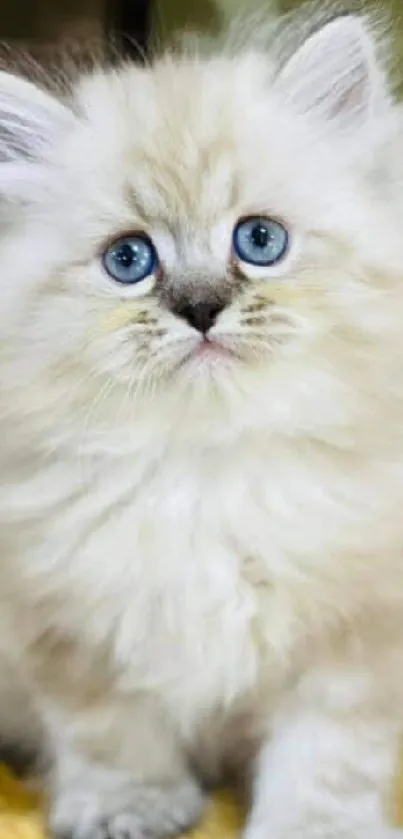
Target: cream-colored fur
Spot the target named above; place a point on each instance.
(202, 556)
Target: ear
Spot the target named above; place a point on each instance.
(335, 74)
(31, 120)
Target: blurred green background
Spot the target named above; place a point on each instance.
(37, 22)
(170, 15)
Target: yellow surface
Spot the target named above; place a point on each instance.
(21, 816)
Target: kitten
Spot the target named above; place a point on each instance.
(201, 416)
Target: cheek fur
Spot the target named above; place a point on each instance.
(117, 319)
(128, 313)
(267, 312)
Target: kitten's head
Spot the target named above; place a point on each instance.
(213, 235)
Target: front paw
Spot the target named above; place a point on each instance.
(126, 812)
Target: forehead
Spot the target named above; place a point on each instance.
(188, 143)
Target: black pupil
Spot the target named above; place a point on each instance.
(260, 236)
(125, 255)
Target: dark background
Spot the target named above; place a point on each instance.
(37, 23)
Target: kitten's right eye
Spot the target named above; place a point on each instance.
(131, 259)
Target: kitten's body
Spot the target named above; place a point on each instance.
(202, 557)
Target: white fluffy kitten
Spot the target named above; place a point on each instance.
(201, 416)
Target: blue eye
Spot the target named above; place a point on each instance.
(131, 259)
(260, 241)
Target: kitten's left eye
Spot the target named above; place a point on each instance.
(260, 241)
(131, 259)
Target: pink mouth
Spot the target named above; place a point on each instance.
(210, 347)
(207, 349)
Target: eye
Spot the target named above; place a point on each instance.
(131, 259)
(260, 241)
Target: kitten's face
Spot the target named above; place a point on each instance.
(201, 242)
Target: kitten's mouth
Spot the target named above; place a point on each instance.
(206, 351)
(210, 347)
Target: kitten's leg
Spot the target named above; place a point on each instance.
(329, 769)
(118, 773)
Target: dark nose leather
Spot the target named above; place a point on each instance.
(202, 316)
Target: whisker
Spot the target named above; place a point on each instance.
(95, 405)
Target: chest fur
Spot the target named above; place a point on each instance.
(197, 575)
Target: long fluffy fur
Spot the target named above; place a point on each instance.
(202, 561)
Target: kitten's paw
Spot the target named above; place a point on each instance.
(138, 812)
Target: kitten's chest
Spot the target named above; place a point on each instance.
(172, 569)
(184, 569)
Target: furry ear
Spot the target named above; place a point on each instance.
(30, 122)
(335, 73)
